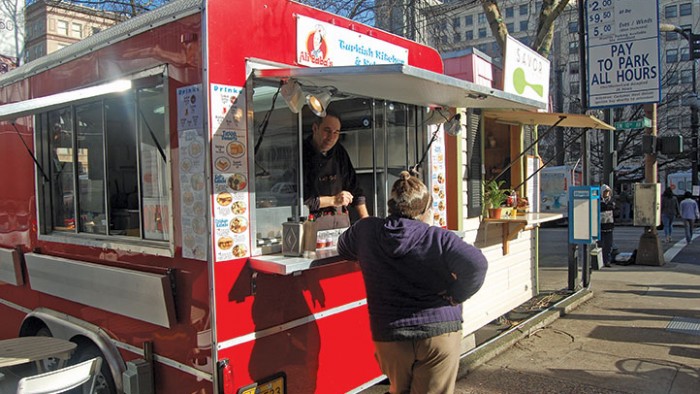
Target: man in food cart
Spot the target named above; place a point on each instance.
(330, 183)
(416, 276)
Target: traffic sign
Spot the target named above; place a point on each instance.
(633, 124)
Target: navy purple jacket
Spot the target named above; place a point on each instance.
(407, 267)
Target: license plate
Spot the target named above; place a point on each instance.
(274, 386)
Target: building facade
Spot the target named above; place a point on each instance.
(51, 25)
(454, 26)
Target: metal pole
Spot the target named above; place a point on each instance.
(694, 131)
(583, 71)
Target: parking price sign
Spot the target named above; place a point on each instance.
(622, 45)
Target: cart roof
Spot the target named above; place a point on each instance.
(549, 119)
(403, 83)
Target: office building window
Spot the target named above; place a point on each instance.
(671, 55)
(672, 78)
(469, 20)
(686, 76)
(510, 27)
(523, 25)
(481, 18)
(524, 9)
(671, 11)
(469, 35)
(482, 32)
(77, 30)
(573, 27)
(62, 27)
(456, 22)
(671, 36)
(457, 37)
(685, 54)
(573, 47)
(509, 12)
(686, 9)
(573, 68)
(574, 88)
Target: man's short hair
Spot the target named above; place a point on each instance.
(329, 112)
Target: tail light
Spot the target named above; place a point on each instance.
(225, 371)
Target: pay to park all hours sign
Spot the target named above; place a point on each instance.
(623, 52)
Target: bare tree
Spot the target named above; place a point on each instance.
(126, 8)
(550, 11)
(12, 28)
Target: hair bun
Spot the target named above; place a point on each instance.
(404, 175)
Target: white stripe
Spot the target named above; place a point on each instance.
(15, 306)
(671, 253)
(288, 326)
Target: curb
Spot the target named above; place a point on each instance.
(485, 352)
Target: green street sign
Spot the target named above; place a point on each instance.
(633, 124)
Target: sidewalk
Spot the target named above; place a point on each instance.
(636, 331)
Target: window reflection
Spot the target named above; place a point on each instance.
(117, 161)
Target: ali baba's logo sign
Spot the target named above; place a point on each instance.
(321, 44)
(316, 47)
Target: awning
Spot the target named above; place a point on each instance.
(58, 100)
(404, 84)
(548, 119)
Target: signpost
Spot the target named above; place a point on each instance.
(622, 52)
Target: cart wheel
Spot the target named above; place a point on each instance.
(104, 383)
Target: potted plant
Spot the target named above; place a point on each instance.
(494, 197)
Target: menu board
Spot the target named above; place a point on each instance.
(230, 173)
(437, 176)
(193, 194)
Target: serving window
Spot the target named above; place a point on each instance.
(106, 161)
(381, 137)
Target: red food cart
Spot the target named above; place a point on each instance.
(150, 208)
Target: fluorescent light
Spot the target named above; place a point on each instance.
(58, 100)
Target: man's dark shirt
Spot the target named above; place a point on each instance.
(328, 175)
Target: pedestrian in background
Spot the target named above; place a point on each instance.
(669, 211)
(689, 214)
(607, 223)
(416, 277)
(625, 201)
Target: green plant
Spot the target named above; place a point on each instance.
(494, 196)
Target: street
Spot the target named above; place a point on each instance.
(553, 259)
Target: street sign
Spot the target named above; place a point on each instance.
(622, 44)
(633, 124)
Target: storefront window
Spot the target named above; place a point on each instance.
(109, 166)
(382, 139)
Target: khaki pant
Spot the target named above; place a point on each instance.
(421, 366)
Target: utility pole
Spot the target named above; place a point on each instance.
(649, 250)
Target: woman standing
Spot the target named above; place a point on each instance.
(669, 211)
(607, 223)
(416, 276)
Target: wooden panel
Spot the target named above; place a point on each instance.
(510, 281)
(10, 267)
(139, 295)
